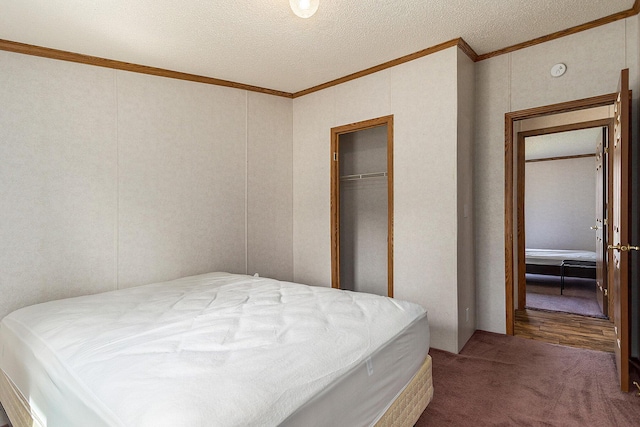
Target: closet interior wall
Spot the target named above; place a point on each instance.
(364, 211)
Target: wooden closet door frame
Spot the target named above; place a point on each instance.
(335, 194)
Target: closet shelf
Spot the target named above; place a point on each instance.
(363, 176)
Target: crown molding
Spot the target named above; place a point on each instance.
(62, 55)
(569, 31)
(459, 42)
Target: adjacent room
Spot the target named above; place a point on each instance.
(560, 221)
(310, 213)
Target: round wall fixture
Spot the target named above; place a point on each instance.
(558, 70)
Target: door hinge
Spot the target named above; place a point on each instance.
(335, 156)
(606, 292)
(606, 222)
(606, 150)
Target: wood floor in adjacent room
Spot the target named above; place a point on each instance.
(565, 329)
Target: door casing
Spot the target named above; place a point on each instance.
(335, 194)
(520, 191)
(510, 188)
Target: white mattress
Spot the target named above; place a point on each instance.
(556, 256)
(362, 396)
(215, 349)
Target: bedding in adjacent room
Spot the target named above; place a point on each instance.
(557, 256)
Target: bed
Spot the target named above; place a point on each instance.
(216, 350)
(561, 263)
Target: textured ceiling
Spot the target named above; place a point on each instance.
(262, 43)
(570, 143)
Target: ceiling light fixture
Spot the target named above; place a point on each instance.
(304, 8)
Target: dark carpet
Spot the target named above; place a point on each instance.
(500, 380)
(579, 296)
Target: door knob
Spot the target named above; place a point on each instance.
(624, 248)
(595, 227)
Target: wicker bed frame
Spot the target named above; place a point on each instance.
(403, 412)
(409, 405)
(15, 405)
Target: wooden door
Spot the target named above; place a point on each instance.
(620, 148)
(609, 214)
(601, 254)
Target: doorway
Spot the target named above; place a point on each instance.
(562, 217)
(617, 242)
(560, 196)
(566, 116)
(362, 206)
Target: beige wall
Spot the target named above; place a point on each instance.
(111, 179)
(423, 97)
(466, 255)
(270, 186)
(560, 204)
(181, 179)
(58, 186)
(521, 80)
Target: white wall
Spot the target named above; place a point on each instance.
(270, 186)
(521, 80)
(423, 97)
(560, 204)
(110, 179)
(466, 246)
(181, 178)
(58, 182)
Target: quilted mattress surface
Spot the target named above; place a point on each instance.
(214, 349)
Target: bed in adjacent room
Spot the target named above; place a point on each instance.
(216, 349)
(561, 263)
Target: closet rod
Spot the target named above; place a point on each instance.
(363, 176)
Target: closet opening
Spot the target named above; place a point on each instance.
(362, 206)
